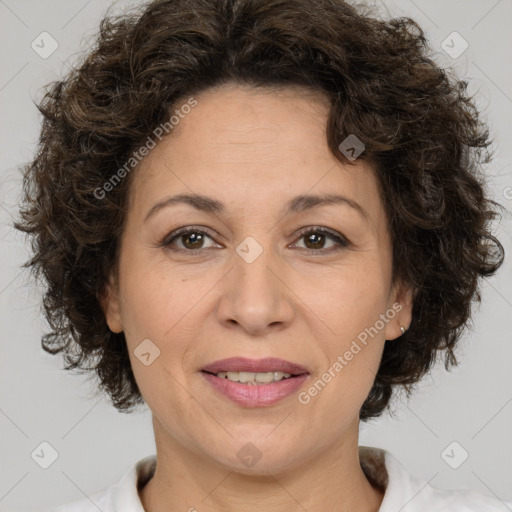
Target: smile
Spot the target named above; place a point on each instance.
(252, 393)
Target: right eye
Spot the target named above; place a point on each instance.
(191, 240)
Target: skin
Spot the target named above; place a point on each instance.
(235, 146)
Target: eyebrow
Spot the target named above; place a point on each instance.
(298, 204)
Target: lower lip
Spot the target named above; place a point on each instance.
(256, 395)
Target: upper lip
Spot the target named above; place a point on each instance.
(243, 364)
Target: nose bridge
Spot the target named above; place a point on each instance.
(256, 297)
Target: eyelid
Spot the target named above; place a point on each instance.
(321, 229)
(340, 239)
(166, 241)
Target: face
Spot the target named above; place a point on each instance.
(258, 274)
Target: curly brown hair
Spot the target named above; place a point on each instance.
(421, 131)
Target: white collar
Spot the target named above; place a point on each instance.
(402, 491)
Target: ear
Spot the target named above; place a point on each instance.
(401, 302)
(109, 302)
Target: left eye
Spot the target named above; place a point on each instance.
(317, 236)
(193, 239)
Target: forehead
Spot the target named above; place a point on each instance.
(250, 147)
(232, 121)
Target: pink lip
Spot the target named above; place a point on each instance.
(256, 395)
(243, 364)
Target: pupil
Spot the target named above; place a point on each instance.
(195, 237)
(319, 237)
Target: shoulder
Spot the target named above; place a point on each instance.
(100, 500)
(408, 493)
(464, 500)
(120, 497)
(420, 496)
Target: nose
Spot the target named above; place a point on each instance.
(256, 296)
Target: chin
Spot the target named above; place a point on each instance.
(259, 456)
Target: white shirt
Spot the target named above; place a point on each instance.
(402, 492)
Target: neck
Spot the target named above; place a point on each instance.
(186, 480)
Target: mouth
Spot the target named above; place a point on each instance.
(254, 371)
(251, 382)
(253, 379)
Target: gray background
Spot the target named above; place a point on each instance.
(96, 445)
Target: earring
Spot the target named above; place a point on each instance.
(402, 328)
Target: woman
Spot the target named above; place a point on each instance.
(260, 218)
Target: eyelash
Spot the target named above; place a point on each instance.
(341, 241)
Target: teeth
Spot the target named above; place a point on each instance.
(254, 378)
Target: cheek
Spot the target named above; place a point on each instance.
(351, 299)
(168, 309)
(156, 298)
(348, 373)
(351, 307)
